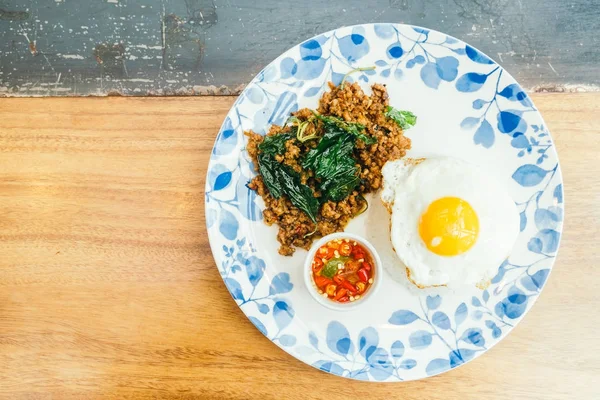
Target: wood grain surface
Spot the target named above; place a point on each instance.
(108, 288)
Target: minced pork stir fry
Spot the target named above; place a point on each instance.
(314, 171)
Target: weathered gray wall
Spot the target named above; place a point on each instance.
(81, 47)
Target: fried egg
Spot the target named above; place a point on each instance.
(451, 223)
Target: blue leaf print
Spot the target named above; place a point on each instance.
(513, 310)
(549, 239)
(419, 59)
(512, 306)
(215, 172)
(288, 68)
(464, 355)
(314, 340)
(369, 351)
(360, 375)
(529, 175)
(286, 104)
(477, 56)
(477, 315)
(513, 93)
(222, 181)
(508, 121)
(247, 200)
(539, 278)
(408, 364)
(398, 73)
(381, 63)
(381, 367)
(485, 296)
(433, 302)
(421, 30)
(287, 340)
(500, 274)
(437, 366)
(430, 76)
(385, 73)
(255, 268)
(499, 309)
(397, 349)
(420, 339)
(403, 317)
(312, 91)
(473, 336)
(329, 366)
(263, 308)
(484, 135)
(410, 64)
(336, 78)
(234, 288)
(338, 339)
(283, 314)
(280, 284)
(470, 82)
(496, 332)
(255, 95)
(211, 217)
(384, 31)
(441, 320)
(353, 47)
(447, 68)
(516, 296)
(475, 301)
(310, 69)
(311, 50)
(259, 325)
(546, 219)
(227, 140)
(460, 314)
(520, 141)
(395, 51)
(469, 122)
(478, 104)
(535, 245)
(228, 225)
(558, 193)
(367, 338)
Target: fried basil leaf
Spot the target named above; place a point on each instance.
(404, 119)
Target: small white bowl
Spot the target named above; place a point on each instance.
(312, 287)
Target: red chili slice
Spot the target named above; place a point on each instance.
(363, 275)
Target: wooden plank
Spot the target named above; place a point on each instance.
(107, 286)
(215, 47)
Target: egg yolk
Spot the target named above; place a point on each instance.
(449, 226)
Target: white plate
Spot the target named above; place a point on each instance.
(467, 107)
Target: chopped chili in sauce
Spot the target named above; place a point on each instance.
(342, 270)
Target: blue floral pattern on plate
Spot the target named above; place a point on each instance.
(468, 107)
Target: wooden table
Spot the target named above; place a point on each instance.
(108, 287)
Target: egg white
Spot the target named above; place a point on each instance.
(409, 186)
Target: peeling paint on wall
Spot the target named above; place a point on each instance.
(206, 47)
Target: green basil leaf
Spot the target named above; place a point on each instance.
(404, 119)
